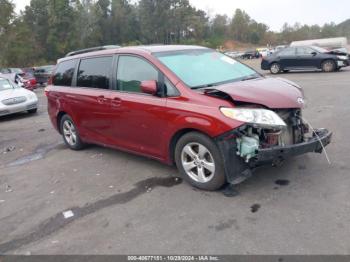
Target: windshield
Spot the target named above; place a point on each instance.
(204, 68)
(5, 84)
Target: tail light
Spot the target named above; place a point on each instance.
(46, 92)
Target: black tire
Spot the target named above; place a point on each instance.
(33, 111)
(275, 68)
(328, 66)
(218, 176)
(78, 145)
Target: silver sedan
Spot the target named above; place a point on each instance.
(14, 99)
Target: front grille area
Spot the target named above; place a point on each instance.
(32, 106)
(294, 133)
(4, 112)
(14, 100)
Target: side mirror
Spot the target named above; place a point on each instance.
(314, 53)
(149, 87)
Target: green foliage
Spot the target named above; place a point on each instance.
(48, 29)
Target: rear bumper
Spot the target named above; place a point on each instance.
(277, 154)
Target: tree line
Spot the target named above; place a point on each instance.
(47, 29)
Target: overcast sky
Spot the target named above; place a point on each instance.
(272, 12)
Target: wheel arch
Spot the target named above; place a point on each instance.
(59, 117)
(175, 138)
(328, 59)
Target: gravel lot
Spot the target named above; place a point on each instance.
(125, 204)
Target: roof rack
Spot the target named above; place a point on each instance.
(87, 50)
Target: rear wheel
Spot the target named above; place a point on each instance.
(275, 68)
(328, 66)
(199, 161)
(70, 133)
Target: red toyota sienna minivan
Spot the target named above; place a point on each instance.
(212, 116)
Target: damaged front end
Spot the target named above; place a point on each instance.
(258, 143)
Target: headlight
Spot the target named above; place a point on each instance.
(260, 117)
(342, 57)
(31, 96)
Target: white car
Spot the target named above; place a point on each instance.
(234, 54)
(264, 52)
(14, 99)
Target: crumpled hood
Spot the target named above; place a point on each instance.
(269, 92)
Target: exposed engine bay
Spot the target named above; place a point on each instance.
(273, 131)
(251, 138)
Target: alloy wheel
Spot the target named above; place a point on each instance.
(328, 66)
(198, 162)
(69, 132)
(275, 68)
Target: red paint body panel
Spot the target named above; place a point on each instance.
(145, 124)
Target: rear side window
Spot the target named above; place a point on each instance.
(95, 72)
(287, 52)
(64, 73)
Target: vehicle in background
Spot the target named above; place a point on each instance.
(30, 78)
(279, 48)
(263, 51)
(43, 73)
(21, 77)
(15, 99)
(234, 54)
(305, 58)
(12, 70)
(29, 70)
(250, 54)
(213, 116)
(328, 43)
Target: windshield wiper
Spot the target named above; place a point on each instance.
(203, 86)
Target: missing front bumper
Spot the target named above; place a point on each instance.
(237, 170)
(277, 154)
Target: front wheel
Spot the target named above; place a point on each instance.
(328, 66)
(199, 161)
(275, 68)
(70, 133)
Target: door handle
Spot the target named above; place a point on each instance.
(101, 99)
(116, 101)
